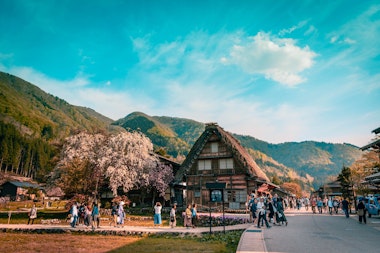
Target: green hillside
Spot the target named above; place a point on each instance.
(36, 112)
(33, 123)
(173, 135)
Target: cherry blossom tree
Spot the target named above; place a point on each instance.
(159, 178)
(126, 160)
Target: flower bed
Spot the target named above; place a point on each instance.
(217, 220)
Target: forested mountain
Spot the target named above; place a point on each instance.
(34, 123)
(174, 135)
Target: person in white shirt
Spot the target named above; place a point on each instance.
(261, 209)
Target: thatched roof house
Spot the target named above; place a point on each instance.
(218, 156)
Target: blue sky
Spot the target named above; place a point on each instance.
(276, 70)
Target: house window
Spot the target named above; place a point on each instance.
(204, 164)
(197, 194)
(214, 147)
(241, 196)
(226, 163)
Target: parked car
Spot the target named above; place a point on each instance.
(372, 204)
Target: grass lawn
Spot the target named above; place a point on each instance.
(22, 242)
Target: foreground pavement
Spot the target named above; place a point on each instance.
(308, 229)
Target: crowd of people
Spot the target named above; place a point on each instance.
(89, 215)
(85, 214)
(264, 208)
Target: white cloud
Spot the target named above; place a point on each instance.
(293, 28)
(277, 59)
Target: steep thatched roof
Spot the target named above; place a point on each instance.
(238, 151)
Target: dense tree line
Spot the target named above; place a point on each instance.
(29, 157)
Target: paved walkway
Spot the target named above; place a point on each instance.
(252, 240)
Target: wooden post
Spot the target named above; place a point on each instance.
(9, 216)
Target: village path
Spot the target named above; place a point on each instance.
(252, 240)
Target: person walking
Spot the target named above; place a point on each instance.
(194, 215)
(362, 212)
(114, 214)
(173, 219)
(271, 209)
(280, 213)
(157, 214)
(261, 208)
(345, 206)
(187, 218)
(32, 214)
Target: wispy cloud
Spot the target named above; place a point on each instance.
(276, 58)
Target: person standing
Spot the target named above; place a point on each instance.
(87, 217)
(314, 204)
(173, 219)
(95, 215)
(362, 212)
(306, 203)
(345, 205)
(121, 213)
(194, 215)
(32, 214)
(319, 204)
(330, 205)
(157, 214)
(74, 214)
(253, 208)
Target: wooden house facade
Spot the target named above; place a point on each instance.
(219, 157)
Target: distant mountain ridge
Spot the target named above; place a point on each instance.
(308, 161)
(38, 115)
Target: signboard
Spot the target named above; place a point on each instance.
(216, 191)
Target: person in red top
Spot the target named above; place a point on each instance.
(313, 204)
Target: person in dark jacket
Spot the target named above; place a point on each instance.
(345, 205)
(253, 209)
(271, 210)
(362, 212)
